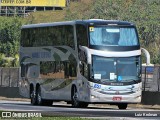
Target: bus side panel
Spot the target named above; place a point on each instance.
(24, 88)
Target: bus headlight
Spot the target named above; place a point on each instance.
(92, 96)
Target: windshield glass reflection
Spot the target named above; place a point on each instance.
(115, 69)
(113, 36)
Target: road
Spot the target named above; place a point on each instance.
(62, 109)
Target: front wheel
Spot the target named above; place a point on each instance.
(39, 97)
(33, 98)
(75, 102)
(122, 105)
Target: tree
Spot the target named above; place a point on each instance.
(144, 13)
(9, 37)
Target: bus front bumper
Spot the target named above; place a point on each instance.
(117, 98)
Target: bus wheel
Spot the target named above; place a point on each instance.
(122, 106)
(38, 96)
(75, 102)
(33, 98)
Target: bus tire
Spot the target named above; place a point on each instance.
(41, 101)
(33, 98)
(38, 96)
(75, 102)
(122, 106)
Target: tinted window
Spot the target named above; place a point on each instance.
(81, 35)
(116, 69)
(113, 36)
(48, 36)
(57, 69)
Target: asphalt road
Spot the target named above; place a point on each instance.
(62, 109)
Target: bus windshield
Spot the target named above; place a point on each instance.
(115, 69)
(113, 36)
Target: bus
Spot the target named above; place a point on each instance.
(81, 62)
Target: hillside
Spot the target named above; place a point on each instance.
(61, 15)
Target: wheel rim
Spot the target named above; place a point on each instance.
(39, 98)
(32, 97)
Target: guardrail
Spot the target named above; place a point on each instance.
(22, 11)
(151, 78)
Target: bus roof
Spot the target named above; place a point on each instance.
(48, 24)
(104, 22)
(86, 22)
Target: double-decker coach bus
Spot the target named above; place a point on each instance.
(81, 62)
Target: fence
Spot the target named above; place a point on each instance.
(21, 11)
(9, 77)
(151, 78)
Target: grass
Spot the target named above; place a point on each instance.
(44, 118)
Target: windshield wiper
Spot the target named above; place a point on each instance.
(105, 80)
(97, 80)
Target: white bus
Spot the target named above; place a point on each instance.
(81, 62)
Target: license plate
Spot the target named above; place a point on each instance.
(117, 98)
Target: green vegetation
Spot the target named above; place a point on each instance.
(144, 13)
(9, 41)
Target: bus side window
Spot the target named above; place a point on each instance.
(69, 36)
(72, 70)
(52, 69)
(81, 31)
(24, 70)
(84, 69)
(33, 39)
(66, 69)
(81, 66)
(30, 42)
(26, 39)
(22, 38)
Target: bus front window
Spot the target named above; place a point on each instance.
(102, 67)
(106, 69)
(113, 36)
